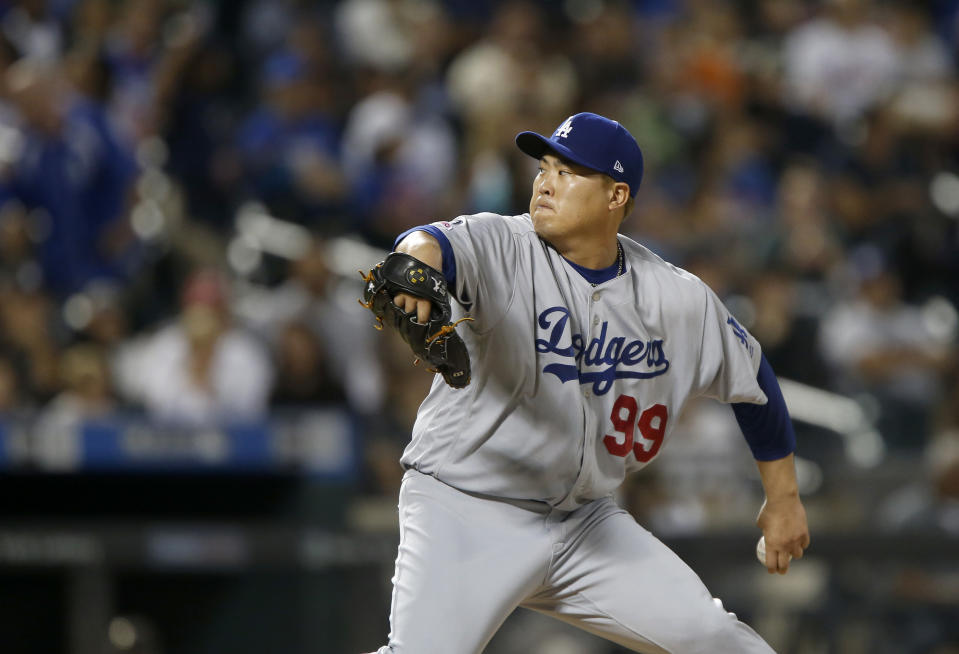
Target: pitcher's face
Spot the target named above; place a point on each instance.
(567, 198)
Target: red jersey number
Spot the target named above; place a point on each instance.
(652, 429)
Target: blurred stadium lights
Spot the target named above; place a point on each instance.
(244, 255)
(152, 153)
(122, 633)
(809, 475)
(154, 184)
(864, 446)
(11, 145)
(259, 232)
(348, 254)
(78, 311)
(271, 235)
(151, 216)
(147, 219)
(941, 319)
(944, 192)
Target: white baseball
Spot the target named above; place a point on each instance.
(761, 550)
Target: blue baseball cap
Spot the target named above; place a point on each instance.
(592, 141)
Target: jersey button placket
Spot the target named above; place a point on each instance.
(595, 323)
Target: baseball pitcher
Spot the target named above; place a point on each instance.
(580, 349)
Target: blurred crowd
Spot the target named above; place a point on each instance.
(176, 177)
(188, 186)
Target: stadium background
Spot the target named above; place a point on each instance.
(199, 428)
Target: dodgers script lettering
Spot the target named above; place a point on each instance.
(601, 361)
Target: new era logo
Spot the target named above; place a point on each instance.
(618, 167)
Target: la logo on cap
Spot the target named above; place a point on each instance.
(564, 129)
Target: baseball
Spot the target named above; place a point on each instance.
(761, 550)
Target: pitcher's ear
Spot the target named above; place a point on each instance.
(619, 195)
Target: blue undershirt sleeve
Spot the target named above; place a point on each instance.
(767, 427)
(449, 259)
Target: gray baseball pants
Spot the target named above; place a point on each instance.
(466, 562)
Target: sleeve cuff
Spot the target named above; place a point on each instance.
(449, 259)
(768, 430)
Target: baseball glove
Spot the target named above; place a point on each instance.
(435, 341)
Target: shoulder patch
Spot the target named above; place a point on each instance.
(450, 224)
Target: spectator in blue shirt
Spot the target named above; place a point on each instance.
(290, 143)
(73, 167)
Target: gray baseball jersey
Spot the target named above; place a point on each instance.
(507, 500)
(573, 385)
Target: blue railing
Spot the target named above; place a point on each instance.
(320, 443)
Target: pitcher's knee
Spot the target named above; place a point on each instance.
(719, 632)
